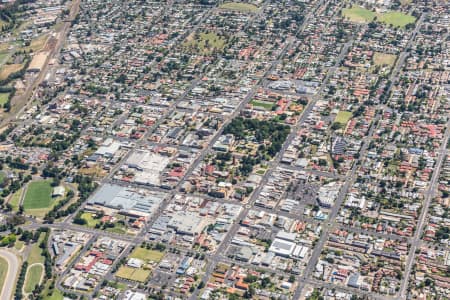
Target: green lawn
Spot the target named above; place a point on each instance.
(205, 42)
(239, 6)
(117, 229)
(3, 98)
(38, 195)
(358, 14)
(19, 245)
(15, 200)
(263, 104)
(89, 217)
(3, 56)
(33, 278)
(3, 271)
(343, 117)
(2, 175)
(129, 273)
(56, 295)
(118, 285)
(396, 19)
(35, 255)
(147, 254)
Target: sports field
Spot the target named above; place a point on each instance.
(239, 6)
(134, 274)
(359, 14)
(34, 274)
(263, 104)
(38, 197)
(147, 255)
(396, 19)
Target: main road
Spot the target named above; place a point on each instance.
(11, 274)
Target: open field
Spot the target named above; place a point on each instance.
(18, 245)
(3, 56)
(7, 70)
(38, 195)
(359, 14)
(3, 271)
(205, 42)
(35, 255)
(95, 171)
(263, 104)
(129, 273)
(2, 174)
(396, 19)
(239, 6)
(3, 100)
(343, 117)
(37, 44)
(90, 221)
(56, 295)
(15, 200)
(382, 59)
(117, 229)
(34, 274)
(3, 23)
(147, 254)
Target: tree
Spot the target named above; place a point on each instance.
(201, 285)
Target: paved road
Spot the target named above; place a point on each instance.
(11, 275)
